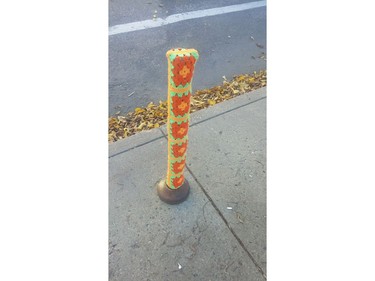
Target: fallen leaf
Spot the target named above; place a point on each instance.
(141, 126)
(239, 217)
(155, 115)
(139, 110)
(211, 102)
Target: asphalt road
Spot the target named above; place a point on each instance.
(228, 44)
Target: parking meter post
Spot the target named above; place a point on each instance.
(181, 62)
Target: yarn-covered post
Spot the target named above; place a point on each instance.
(181, 62)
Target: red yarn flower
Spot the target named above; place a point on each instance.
(179, 150)
(177, 182)
(178, 167)
(183, 70)
(179, 131)
(181, 106)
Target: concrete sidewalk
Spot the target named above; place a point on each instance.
(219, 232)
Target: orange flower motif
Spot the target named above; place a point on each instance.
(181, 106)
(179, 150)
(177, 182)
(183, 70)
(178, 167)
(180, 131)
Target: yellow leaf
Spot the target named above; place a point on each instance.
(162, 104)
(211, 102)
(141, 125)
(139, 110)
(251, 79)
(157, 125)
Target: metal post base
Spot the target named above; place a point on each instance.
(172, 196)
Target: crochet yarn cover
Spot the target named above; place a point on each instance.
(181, 64)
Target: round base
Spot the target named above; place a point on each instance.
(172, 196)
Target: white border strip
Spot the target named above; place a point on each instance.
(139, 25)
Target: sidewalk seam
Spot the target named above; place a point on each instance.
(223, 218)
(225, 112)
(192, 125)
(218, 210)
(227, 224)
(136, 146)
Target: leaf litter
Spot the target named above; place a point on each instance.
(155, 115)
